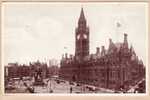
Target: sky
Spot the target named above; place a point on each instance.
(43, 31)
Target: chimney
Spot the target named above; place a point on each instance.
(97, 50)
(103, 48)
(125, 38)
(62, 56)
(66, 55)
(110, 41)
(103, 51)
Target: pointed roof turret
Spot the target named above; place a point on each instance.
(82, 17)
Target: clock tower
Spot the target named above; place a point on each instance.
(81, 38)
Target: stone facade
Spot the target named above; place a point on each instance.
(116, 67)
(14, 70)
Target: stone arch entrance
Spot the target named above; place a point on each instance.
(74, 78)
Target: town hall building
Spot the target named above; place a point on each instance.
(109, 68)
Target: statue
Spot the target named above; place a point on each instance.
(38, 79)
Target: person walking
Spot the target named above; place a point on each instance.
(71, 89)
(49, 86)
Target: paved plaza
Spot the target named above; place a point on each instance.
(53, 86)
(61, 87)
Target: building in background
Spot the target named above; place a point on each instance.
(15, 70)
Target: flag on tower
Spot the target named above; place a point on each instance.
(118, 24)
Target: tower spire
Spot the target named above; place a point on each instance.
(82, 17)
(82, 38)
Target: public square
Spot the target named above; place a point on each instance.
(56, 87)
(59, 86)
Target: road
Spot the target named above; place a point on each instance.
(62, 87)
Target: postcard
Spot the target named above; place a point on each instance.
(75, 48)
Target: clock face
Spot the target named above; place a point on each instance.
(84, 36)
(78, 36)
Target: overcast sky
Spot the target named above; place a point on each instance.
(33, 31)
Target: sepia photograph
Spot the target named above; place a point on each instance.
(75, 48)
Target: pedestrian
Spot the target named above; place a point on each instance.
(49, 86)
(71, 89)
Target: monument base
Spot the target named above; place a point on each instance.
(38, 83)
